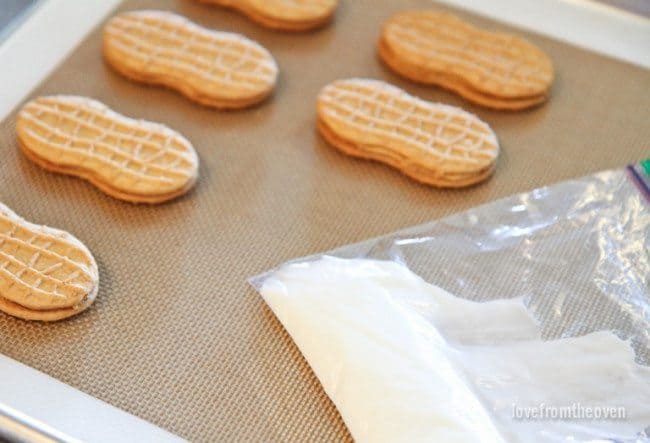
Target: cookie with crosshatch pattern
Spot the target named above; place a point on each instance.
(217, 69)
(492, 69)
(45, 274)
(133, 160)
(436, 144)
(283, 15)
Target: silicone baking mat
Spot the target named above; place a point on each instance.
(177, 336)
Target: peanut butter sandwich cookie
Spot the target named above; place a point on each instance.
(133, 160)
(492, 69)
(436, 144)
(283, 15)
(217, 69)
(45, 274)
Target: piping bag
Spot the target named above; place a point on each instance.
(515, 348)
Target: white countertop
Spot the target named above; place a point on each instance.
(57, 26)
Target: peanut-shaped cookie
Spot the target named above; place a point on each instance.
(45, 274)
(436, 144)
(283, 15)
(133, 160)
(492, 69)
(217, 69)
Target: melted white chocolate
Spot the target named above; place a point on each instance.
(404, 360)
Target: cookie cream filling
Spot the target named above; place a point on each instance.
(404, 360)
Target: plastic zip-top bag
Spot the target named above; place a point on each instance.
(526, 319)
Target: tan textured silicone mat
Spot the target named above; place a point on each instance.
(177, 336)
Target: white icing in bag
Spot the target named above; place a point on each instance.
(404, 360)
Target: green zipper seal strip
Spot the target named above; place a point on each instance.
(645, 164)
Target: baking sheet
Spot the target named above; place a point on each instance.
(176, 335)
